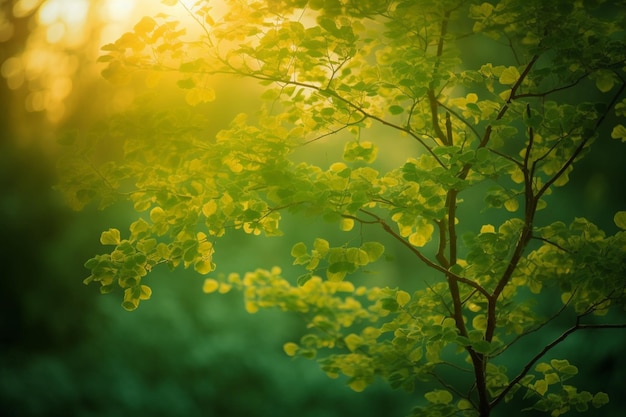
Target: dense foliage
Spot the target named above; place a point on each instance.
(377, 75)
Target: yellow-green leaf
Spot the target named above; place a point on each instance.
(511, 204)
(196, 96)
(487, 228)
(422, 235)
(299, 249)
(346, 225)
(321, 246)
(619, 132)
(110, 237)
(145, 292)
(541, 386)
(374, 250)
(336, 276)
(358, 385)
(131, 299)
(210, 285)
(509, 76)
(157, 215)
(600, 399)
(605, 80)
(479, 322)
(439, 396)
(353, 341)
(203, 266)
(252, 307)
(209, 208)
(620, 219)
(224, 288)
(402, 297)
(290, 348)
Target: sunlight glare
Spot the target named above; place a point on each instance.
(71, 12)
(117, 10)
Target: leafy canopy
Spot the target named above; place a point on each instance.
(511, 127)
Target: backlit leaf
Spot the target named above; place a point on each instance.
(600, 399)
(290, 348)
(619, 132)
(373, 249)
(439, 397)
(620, 219)
(210, 285)
(203, 266)
(402, 297)
(509, 76)
(110, 237)
(605, 80)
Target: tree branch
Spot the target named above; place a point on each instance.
(546, 349)
(582, 144)
(421, 256)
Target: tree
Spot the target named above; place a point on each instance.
(510, 129)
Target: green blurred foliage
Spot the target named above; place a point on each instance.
(67, 351)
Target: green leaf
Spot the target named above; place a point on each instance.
(605, 80)
(389, 304)
(482, 346)
(374, 250)
(186, 83)
(395, 109)
(600, 399)
(321, 246)
(298, 250)
(304, 278)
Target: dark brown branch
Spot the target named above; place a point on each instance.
(549, 242)
(434, 111)
(582, 144)
(537, 327)
(441, 249)
(512, 96)
(546, 349)
(420, 255)
(461, 118)
(554, 90)
(329, 92)
(449, 136)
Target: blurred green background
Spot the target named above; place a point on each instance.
(65, 350)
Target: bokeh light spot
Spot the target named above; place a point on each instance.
(13, 71)
(23, 8)
(117, 10)
(55, 32)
